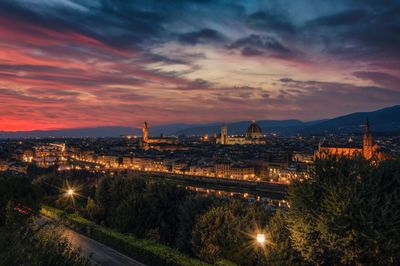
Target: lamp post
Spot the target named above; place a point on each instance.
(260, 239)
(71, 192)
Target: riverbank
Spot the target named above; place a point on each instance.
(260, 188)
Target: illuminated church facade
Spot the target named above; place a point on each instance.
(369, 150)
(253, 136)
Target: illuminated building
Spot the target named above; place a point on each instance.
(369, 150)
(253, 136)
(242, 172)
(47, 155)
(235, 171)
(161, 140)
(179, 167)
(222, 169)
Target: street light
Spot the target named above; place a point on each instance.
(70, 192)
(260, 239)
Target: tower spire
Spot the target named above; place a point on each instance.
(366, 126)
(367, 141)
(145, 130)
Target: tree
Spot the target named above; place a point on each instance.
(227, 231)
(94, 212)
(33, 171)
(134, 215)
(280, 250)
(17, 191)
(111, 192)
(103, 197)
(134, 205)
(21, 241)
(26, 246)
(188, 214)
(165, 199)
(347, 213)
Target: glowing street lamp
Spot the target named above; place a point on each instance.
(70, 192)
(260, 239)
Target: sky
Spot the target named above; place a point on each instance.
(88, 63)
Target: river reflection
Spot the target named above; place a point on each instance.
(271, 203)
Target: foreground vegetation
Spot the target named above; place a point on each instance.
(146, 251)
(347, 213)
(21, 241)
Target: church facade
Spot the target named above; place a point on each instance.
(369, 150)
(253, 136)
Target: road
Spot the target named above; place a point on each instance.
(100, 253)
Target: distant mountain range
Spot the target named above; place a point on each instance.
(383, 120)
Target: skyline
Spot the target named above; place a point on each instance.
(69, 64)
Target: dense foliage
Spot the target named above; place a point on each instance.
(143, 208)
(347, 213)
(145, 251)
(209, 228)
(228, 231)
(22, 242)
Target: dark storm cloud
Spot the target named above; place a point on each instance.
(380, 78)
(200, 83)
(117, 24)
(348, 17)
(201, 36)
(249, 51)
(156, 58)
(335, 98)
(268, 21)
(260, 42)
(344, 91)
(360, 34)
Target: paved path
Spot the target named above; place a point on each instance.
(100, 253)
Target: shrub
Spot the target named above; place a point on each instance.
(347, 213)
(227, 232)
(145, 251)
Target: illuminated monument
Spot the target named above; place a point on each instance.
(146, 139)
(253, 136)
(369, 150)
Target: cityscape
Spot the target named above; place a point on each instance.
(199, 133)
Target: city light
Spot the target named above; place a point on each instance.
(260, 239)
(70, 192)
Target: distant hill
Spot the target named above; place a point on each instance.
(383, 120)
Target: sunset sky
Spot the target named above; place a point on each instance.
(77, 63)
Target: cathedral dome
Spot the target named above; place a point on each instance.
(254, 131)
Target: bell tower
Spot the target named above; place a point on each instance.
(367, 142)
(224, 134)
(145, 130)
